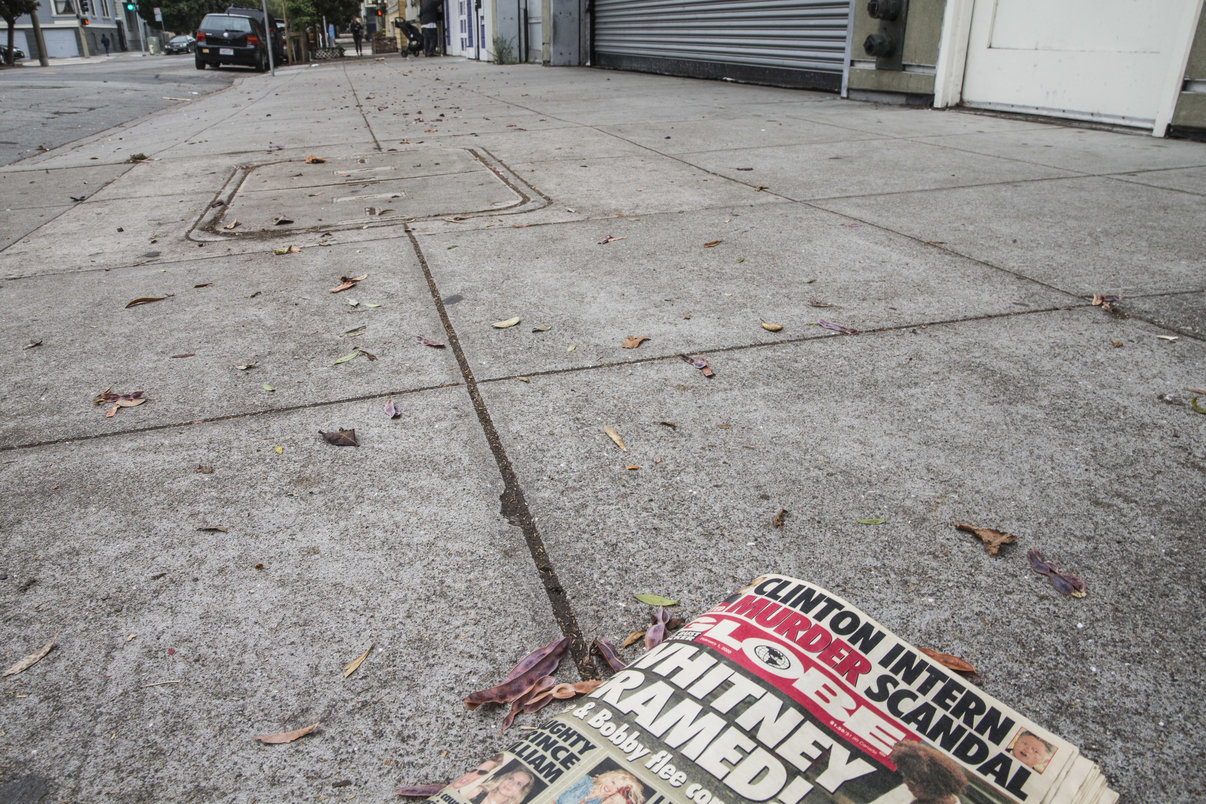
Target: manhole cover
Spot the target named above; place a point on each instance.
(364, 191)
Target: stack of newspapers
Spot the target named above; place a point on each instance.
(782, 694)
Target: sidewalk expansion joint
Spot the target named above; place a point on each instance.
(247, 414)
(513, 504)
(783, 342)
(360, 108)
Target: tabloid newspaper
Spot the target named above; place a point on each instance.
(785, 694)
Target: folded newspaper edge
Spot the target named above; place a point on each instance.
(785, 694)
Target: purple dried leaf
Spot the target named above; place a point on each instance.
(429, 342)
(837, 327)
(609, 654)
(558, 646)
(390, 410)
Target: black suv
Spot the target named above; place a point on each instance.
(231, 39)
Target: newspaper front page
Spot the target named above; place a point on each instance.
(784, 694)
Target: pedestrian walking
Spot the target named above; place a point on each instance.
(105, 43)
(430, 15)
(357, 34)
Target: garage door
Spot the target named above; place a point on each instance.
(797, 43)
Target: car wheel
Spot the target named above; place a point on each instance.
(200, 64)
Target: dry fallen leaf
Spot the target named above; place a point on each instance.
(510, 322)
(204, 470)
(712, 244)
(351, 666)
(282, 221)
(341, 438)
(314, 160)
(429, 342)
(609, 239)
(232, 224)
(837, 327)
(614, 436)
(950, 662)
(147, 300)
(778, 519)
(418, 790)
(391, 410)
(769, 327)
(632, 467)
(285, 736)
(993, 539)
(633, 638)
(212, 529)
(631, 342)
(30, 660)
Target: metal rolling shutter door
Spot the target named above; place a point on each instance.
(787, 42)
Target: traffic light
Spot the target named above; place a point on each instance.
(85, 9)
(129, 6)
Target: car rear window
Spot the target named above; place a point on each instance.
(225, 22)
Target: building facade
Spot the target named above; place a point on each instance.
(73, 28)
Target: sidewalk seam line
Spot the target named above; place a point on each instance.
(513, 503)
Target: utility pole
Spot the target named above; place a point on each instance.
(270, 29)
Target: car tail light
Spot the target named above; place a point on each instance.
(252, 39)
(201, 37)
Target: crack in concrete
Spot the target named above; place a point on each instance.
(513, 504)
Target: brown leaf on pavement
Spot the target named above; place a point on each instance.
(699, 363)
(769, 327)
(314, 160)
(429, 342)
(204, 470)
(282, 221)
(609, 239)
(147, 300)
(351, 666)
(950, 662)
(993, 539)
(1064, 582)
(420, 790)
(341, 438)
(564, 691)
(778, 519)
(633, 638)
(285, 736)
(30, 660)
(614, 436)
(632, 342)
(712, 243)
(232, 224)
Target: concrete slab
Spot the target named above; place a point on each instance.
(152, 228)
(1082, 149)
(685, 137)
(560, 145)
(893, 121)
(1180, 312)
(634, 186)
(1190, 180)
(1033, 424)
(176, 645)
(18, 223)
(839, 169)
(32, 188)
(274, 311)
(773, 263)
(1084, 236)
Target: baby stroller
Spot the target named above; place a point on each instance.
(414, 39)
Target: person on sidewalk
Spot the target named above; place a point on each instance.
(105, 43)
(430, 14)
(357, 35)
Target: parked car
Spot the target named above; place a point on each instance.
(272, 25)
(16, 55)
(231, 39)
(180, 44)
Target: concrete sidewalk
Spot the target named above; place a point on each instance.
(196, 608)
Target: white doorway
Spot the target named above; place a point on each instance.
(1112, 61)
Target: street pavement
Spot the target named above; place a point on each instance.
(207, 563)
(45, 107)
